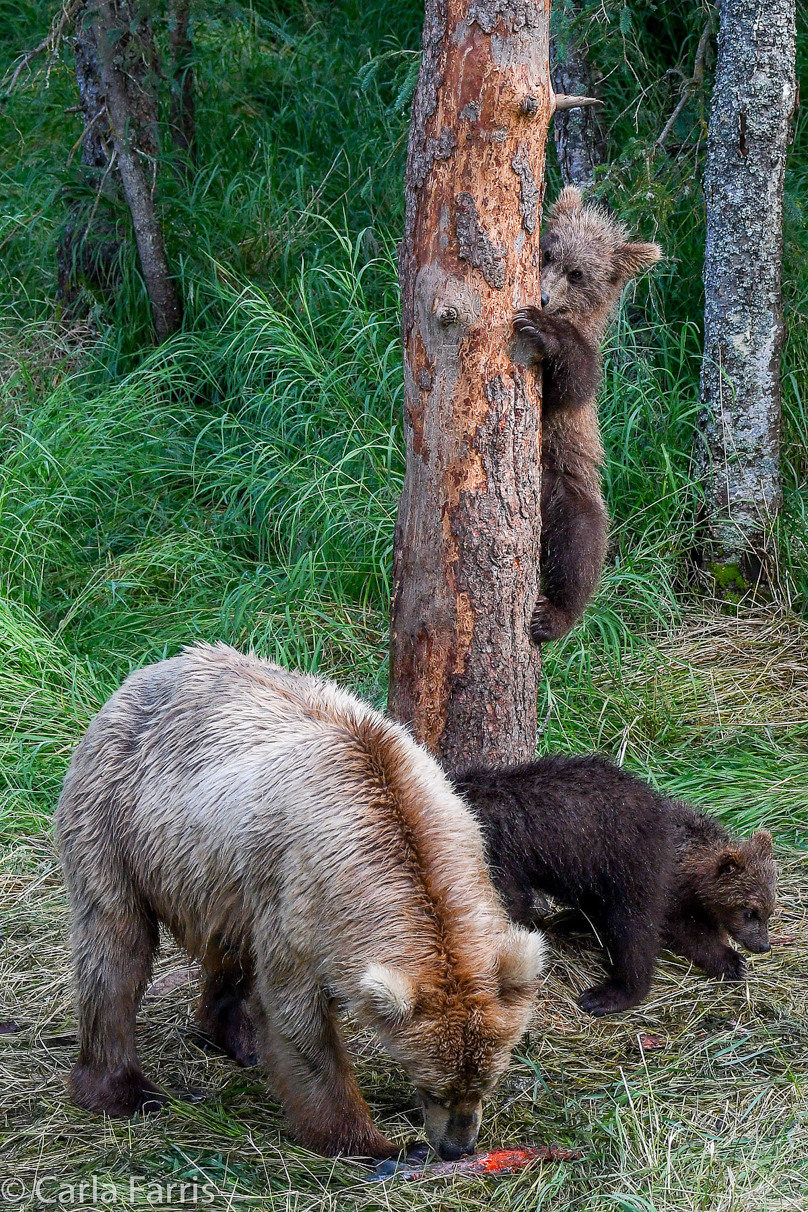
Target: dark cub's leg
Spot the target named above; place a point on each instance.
(705, 946)
(224, 1013)
(573, 548)
(113, 953)
(630, 935)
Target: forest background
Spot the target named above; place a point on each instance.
(240, 482)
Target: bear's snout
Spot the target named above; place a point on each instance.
(452, 1128)
(754, 938)
(449, 1152)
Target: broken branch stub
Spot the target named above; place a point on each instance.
(562, 101)
(466, 563)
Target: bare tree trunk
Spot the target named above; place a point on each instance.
(183, 120)
(577, 135)
(466, 564)
(739, 421)
(131, 106)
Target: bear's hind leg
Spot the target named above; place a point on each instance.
(632, 942)
(573, 549)
(300, 1046)
(224, 1013)
(113, 953)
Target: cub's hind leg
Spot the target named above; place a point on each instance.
(113, 952)
(573, 549)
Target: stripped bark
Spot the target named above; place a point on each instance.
(131, 106)
(182, 114)
(739, 420)
(577, 134)
(466, 564)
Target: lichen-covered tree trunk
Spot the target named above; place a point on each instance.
(739, 421)
(466, 564)
(577, 135)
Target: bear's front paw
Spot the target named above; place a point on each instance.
(731, 966)
(123, 1091)
(548, 622)
(537, 331)
(610, 998)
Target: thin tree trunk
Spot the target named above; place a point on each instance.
(739, 421)
(182, 118)
(577, 135)
(466, 565)
(95, 149)
(82, 254)
(130, 120)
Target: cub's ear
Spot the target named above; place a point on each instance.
(729, 860)
(760, 844)
(388, 994)
(567, 203)
(521, 961)
(631, 259)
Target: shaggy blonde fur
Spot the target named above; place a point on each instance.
(313, 857)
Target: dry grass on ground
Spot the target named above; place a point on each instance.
(749, 669)
(698, 1100)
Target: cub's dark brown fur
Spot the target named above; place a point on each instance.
(647, 872)
(587, 259)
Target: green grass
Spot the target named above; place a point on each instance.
(240, 483)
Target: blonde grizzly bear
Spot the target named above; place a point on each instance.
(587, 259)
(313, 858)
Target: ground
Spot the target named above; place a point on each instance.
(696, 1100)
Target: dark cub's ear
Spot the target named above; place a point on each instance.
(760, 844)
(729, 860)
(631, 259)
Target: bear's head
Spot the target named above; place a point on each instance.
(454, 1039)
(741, 890)
(586, 260)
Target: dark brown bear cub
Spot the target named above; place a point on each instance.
(646, 871)
(587, 259)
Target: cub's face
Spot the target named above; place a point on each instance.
(454, 1039)
(745, 891)
(576, 276)
(586, 261)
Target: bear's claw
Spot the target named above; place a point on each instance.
(547, 622)
(538, 331)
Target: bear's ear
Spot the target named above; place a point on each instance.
(729, 860)
(388, 994)
(567, 203)
(631, 259)
(520, 963)
(760, 844)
